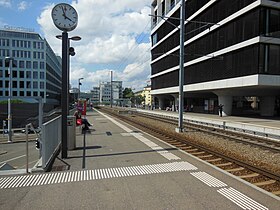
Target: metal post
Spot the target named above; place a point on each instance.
(64, 94)
(79, 89)
(40, 120)
(111, 99)
(9, 101)
(68, 73)
(27, 154)
(181, 70)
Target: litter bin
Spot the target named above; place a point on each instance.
(71, 132)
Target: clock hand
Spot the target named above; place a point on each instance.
(68, 18)
(63, 13)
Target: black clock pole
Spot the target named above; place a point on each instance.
(64, 94)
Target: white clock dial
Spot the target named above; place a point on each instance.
(65, 17)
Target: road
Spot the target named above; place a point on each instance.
(15, 154)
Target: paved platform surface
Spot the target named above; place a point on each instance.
(263, 126)
(124, 168)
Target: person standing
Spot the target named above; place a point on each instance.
(221, 110)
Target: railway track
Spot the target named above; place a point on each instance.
(233, 136)
(261, 177)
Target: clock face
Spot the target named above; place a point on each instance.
(65, 17)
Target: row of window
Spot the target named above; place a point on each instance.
(255, 59)
(27, 54)
(243, 28)
(22, 44)
(23, 84)
(23, 74)
(26, 64)
(22, 93)
(219, 11)
(4, 42)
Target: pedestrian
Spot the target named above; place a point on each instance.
(81, 121)
(191, 107)
(221, 110)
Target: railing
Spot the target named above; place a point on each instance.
(51, 140)
(27, 127)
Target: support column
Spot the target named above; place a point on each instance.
(176, 102)
(227, 102)
(267, 105)
(160, 102)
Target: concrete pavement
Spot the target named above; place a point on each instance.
(124, 168)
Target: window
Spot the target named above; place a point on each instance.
(35, 65)
(21, 84)
(6, 84)
(14, 93)
(35, 93)
(154, 39)
(42, 75)
(28, 64)
(163, 8)
(42, 65)
(28, 74)
(35, 84)
(21, 74)
(14, 74)
(35, 75)
(1, 84)
(42, 85)
(21, 93)
(21, 64)
(28, 93)
(14, 84)
(28, 84)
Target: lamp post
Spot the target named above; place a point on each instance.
(79, 84)
(10, 60)
(66, 52)
(111, 99)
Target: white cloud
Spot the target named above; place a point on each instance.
(109, 31)
(5, 3)
(22, 6)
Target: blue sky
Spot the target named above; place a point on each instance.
(115, 36)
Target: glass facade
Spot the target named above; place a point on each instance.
(31, 56)
(238, 55)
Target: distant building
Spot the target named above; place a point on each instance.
(37, 69)
(232, 53)
(105, 92)
(146, 94)
(95, 95)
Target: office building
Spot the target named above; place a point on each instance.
(232, 54)
(105, 92)
(36, 69)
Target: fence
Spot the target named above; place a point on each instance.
(51, 140)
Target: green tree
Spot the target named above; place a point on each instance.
(128, 93)
(139, 99)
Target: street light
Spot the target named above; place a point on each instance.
(111, 98)
(79, 83)
(70, 51)
(10, 60)
(66, 52)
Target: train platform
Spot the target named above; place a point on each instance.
(117, 166)
(268, 127)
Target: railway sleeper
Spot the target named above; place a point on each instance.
(249, 175)
(271, 181)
